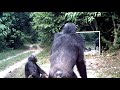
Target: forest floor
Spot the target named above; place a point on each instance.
(13, 67)
(98, 66)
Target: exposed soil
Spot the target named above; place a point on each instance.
(98, 66)
(13, 68)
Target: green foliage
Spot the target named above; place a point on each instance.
(118, 40)
(5, 21)
(113, 48)
(90, 37)
(44, 24)
(84, 17)
(48, 23)
(15, 29)
(18, 28)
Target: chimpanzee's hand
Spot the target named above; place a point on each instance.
(44, 76)
(30, 76)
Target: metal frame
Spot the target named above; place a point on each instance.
(92, 32)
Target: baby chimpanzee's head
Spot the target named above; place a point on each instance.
(32, 58)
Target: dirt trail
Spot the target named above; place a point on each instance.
(19, 64)
(14, 56)
(91, 64)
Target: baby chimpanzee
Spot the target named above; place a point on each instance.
(32, 70)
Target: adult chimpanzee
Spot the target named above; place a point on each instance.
(96, 43)
(33, 70)
(66, 52)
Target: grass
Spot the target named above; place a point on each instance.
(43, 57)
(7, 63)
(17, 73)
(8, 53)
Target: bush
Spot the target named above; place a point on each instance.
(114, 48)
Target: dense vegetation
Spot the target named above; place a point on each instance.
(19, 28)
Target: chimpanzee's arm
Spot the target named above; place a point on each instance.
(81, 65)
(40, 70)
(44, 74)
(32, 70)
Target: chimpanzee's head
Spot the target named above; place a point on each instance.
(32, 58)
(69, 28)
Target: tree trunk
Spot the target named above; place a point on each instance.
(115, 37)
(115, 32)
(96, 26)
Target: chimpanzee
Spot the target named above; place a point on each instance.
(32, 70)
(96, 43)
(67, 51)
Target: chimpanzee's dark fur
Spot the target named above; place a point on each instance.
(96, 43)
(67, 51)
(32, 70)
